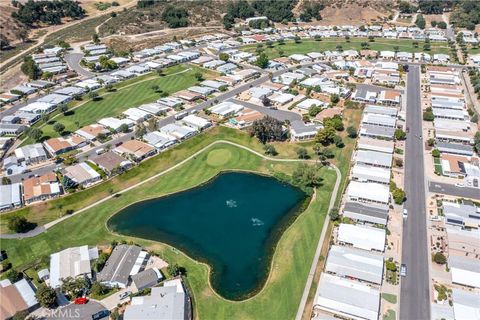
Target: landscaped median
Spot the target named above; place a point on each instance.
(279, 298)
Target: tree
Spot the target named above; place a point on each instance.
(95, 38)
(6, 181)
(13, 275)
(338, 141)
(262, 61)
(46, 296)
(428, 114)
(35, 134)
(439, 258)
(175, 17)
(270, 150)
(307, 176)
(297, 39)
(420, 22)
(302, 153)
(123, 128)
(63, 109)
(199, 76)
(267, 129)
(400, 134)
(334, 214)
(18, 224)
(223, 56)
(58, 127)
(325, 136)
(442, 25)
(93, 95)
(175, 270)
(30, 68)
(140, 131)
(334, 98)
(98, 289)
(335, 122)
(476, 142)
(352, 132)
(73, 286)
(152, 124)
(399, 196)
(431, 142)
(436, 153)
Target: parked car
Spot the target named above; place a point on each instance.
(81, 301)
(405, 213)
(124, 295)
(403, 270)
(100, 314)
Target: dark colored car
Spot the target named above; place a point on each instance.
(100, 314)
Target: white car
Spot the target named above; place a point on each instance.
(405, 213)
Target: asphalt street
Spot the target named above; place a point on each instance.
(73, 62)
(415, 298)
(452, 190)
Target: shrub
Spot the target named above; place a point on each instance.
(439, 258)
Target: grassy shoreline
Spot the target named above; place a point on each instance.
(291, 259)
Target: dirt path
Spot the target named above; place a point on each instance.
(41, 229)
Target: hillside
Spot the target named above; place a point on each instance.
(204, 13)
(9, 27)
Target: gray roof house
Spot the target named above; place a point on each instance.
(124, 261)
(373, 158)
(146, 279)
(355, 263)
(169, 302)
(376, 214)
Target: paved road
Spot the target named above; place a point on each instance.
(452, 190)
(281, 115)
(73, 61)
(415, 299)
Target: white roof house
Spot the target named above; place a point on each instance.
(466, 304)
(38, 107)
(465, 271)
(71, 262)
(226, 109)
(136, 114)
(362, 237)
(178, 131)
(167, 302)
(363, 173)
(308, 103)
(115, 124)
(159, 139)
(10, 196)
(373, 158)
(347, 298)
(371, 144)
(368, 192)
(196, 122)
(355, 263)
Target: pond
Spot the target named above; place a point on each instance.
(233, 223)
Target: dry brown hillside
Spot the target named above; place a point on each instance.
(202, 13)
(9, 27)
(356, 12)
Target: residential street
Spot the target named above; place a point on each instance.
(415, 299)
(452, 190)
(73, 61)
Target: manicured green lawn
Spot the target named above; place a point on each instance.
(130, 94)
(306, 46)
(279, 298)
(389, 297)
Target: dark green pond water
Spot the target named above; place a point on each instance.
(232, 223)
